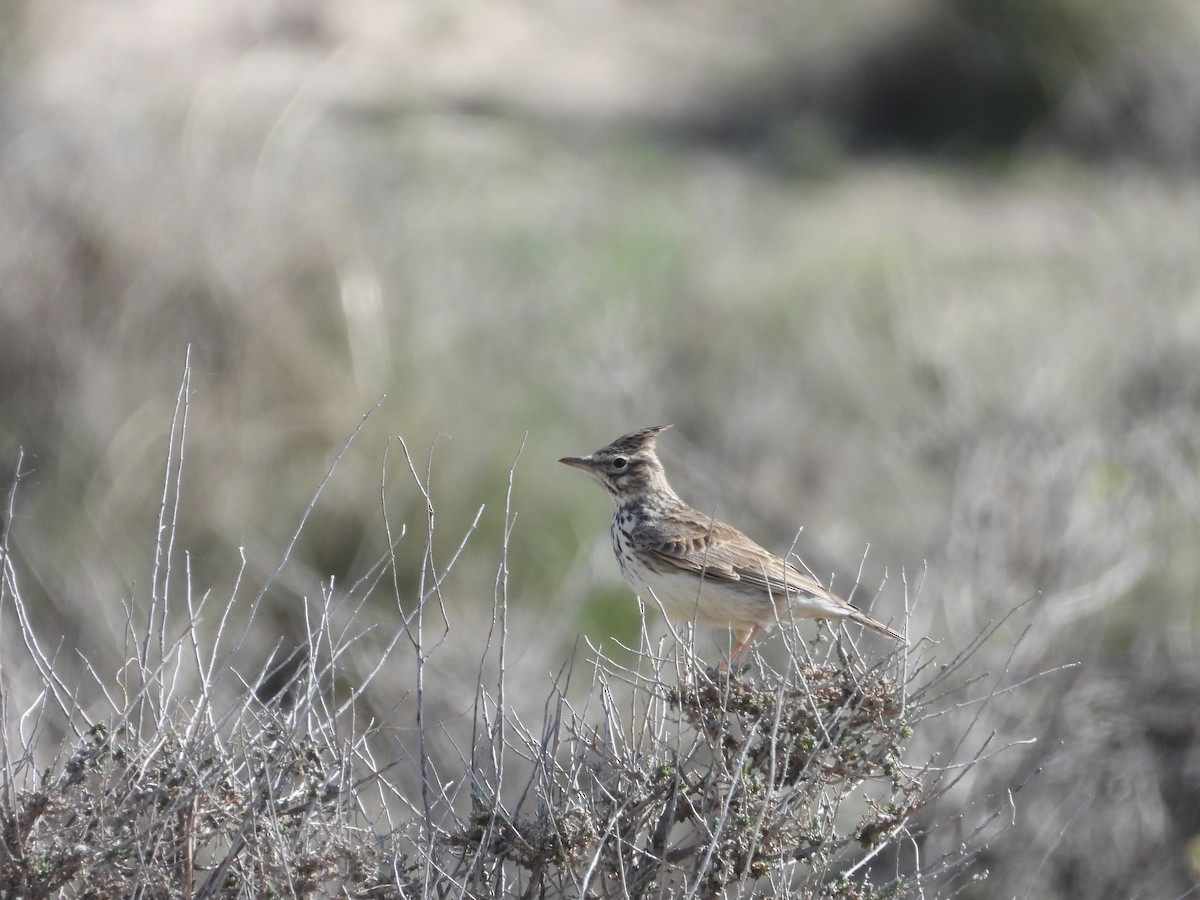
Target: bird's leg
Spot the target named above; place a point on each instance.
(739, 651)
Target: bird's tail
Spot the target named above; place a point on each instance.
(863, 619)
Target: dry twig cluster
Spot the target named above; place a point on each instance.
(182, 775)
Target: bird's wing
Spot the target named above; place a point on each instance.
(720, 552)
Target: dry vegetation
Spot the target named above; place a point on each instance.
(967, 342)
(661, 778)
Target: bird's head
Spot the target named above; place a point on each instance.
(628, 466)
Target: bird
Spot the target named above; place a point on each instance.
(696, 567)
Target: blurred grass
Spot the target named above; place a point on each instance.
(983, 359)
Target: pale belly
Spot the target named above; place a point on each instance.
(690, 599)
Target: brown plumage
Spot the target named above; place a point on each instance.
(698, 568)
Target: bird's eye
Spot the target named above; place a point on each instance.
(620, 463)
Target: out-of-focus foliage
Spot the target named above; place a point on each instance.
(917, 276)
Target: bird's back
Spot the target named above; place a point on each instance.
(733, 579)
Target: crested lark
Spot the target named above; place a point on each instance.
(697, 568)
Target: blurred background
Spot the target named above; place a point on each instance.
(920, 277)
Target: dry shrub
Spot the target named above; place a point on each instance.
(662, 778)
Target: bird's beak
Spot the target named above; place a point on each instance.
(578, 462)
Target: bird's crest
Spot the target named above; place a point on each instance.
(636, 440)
